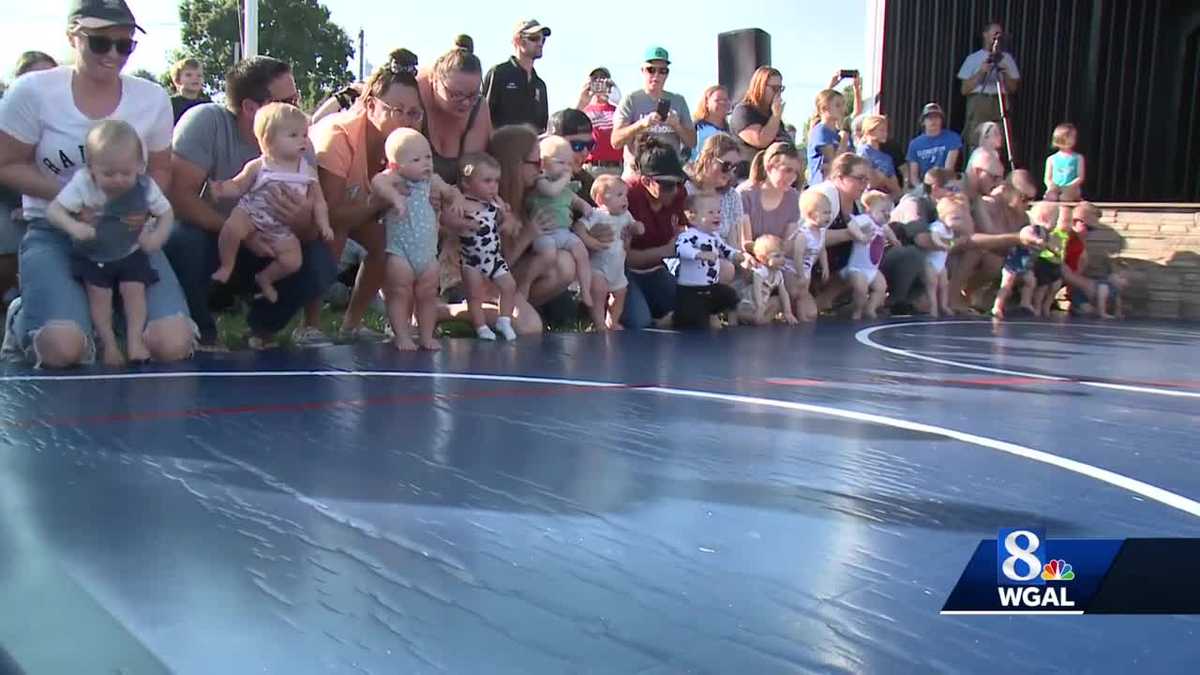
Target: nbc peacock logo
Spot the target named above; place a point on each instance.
(1057, 570)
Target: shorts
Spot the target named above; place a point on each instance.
(695, 304)
(559, 240)
(133, 267)
(1046, 272)
(868, 273)
(1019, 260)
(11, 231)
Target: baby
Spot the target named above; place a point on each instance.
(699, 295)
(479, 176)
(1088, 294)
(1047, 267)
(282, 132)
(870, 233)
(554, 194)
(412, 233)
(954, 216)
(809, 249)
(766, 296)
(111, 248)
(611, 193)
(1018, 264)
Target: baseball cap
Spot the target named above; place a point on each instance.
(657, 54)
(600, 72)
(101, 14)
(569, 122)
(525, 26)
(664, 164)
(932, 109)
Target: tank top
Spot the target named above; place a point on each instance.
(447, 167)
(1064, 168)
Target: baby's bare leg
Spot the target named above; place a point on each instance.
(133, 302)
(237, 227)
(100, 303)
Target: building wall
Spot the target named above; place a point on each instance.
(1158, 245)
(1126, 72)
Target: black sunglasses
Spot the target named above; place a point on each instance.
(652, 70)
(728, 167)
(580, 146)
(101, 44)
(667, 184)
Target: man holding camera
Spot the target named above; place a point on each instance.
(982, 74)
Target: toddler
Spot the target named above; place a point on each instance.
(809, 249)
(870, 233)
(1089, 295)
(954, 216)
(1018, 264)
(479, 176)
(766, 296)
(554, 193)
(132, 219)
(412, 233)
(612, 195)
(699, 296)
(282, 132)
(1047, 267)
(1065, 168)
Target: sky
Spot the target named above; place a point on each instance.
(810, 40)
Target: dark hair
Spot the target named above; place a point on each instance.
(30, 59)
(460, 59)
(401, 68)
(510, 146)
(758, 167)
(250, 79)
(652, 151)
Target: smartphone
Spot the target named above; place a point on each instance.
(664, 108)
(849, 74)
(600, 85)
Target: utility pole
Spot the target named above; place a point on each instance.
(362, 56)
(251, 28)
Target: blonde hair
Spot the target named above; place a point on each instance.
(811, 198)
(765, 245)
(272, 117)
(873, 197)
(714, 146)
(1086, 211)
(603, 184)
(983, 130)
(181, 65)
(701, 110)
(872, 122)
(822, 102)
(1061, 132)
(694, 199)
(112, 136)
(1044, 213)
(952, 204)
(762, 160)
(398, 139)
(552, 146)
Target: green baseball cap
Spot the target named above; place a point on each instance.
(657, 54)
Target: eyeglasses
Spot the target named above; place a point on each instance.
(413, 115)
(655, 70)
(858, 177)
(580, 146)
(727, 167)
(461, 96)
(778, 88)
(101, 44)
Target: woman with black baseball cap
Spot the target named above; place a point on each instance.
(43, 122)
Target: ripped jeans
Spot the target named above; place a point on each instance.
(50, 295)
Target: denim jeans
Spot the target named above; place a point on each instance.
(651, 296)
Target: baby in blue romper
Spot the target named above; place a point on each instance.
(408, 185)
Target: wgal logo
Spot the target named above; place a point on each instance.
(1022, 566)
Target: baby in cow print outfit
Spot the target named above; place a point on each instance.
(699, 296)
(479, 178)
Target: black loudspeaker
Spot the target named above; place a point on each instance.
(739, 54)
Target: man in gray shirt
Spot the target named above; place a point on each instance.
(639, 115)
(213, 143)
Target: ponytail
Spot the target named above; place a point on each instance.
(758, 168)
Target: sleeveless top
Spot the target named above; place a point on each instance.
(1064, 168)
(447, 167)
(254, 202)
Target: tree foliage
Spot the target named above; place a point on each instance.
(298, 32)
(146, 75)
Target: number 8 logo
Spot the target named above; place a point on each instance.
(1025, 555)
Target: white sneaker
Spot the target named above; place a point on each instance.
(504, 325)
(485, 333)
(10, 349)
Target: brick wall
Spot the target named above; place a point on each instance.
(1159, 246)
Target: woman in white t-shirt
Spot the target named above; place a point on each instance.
(44, 119)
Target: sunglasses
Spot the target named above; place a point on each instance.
(727, 167)
(580, 146)
(535, 38)
(655, 70)
(667, 184)
(101, 45)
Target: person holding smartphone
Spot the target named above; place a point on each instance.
(596, 101)
(653, 112)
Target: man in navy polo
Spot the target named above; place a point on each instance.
(515, 93)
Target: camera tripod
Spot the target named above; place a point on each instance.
(997, 74)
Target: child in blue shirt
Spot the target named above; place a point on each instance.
(936, 147)
(1065, 168)
(825, 141)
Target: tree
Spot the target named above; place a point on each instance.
(297, 32)
(146, 75)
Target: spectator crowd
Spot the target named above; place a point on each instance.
(439, 191)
